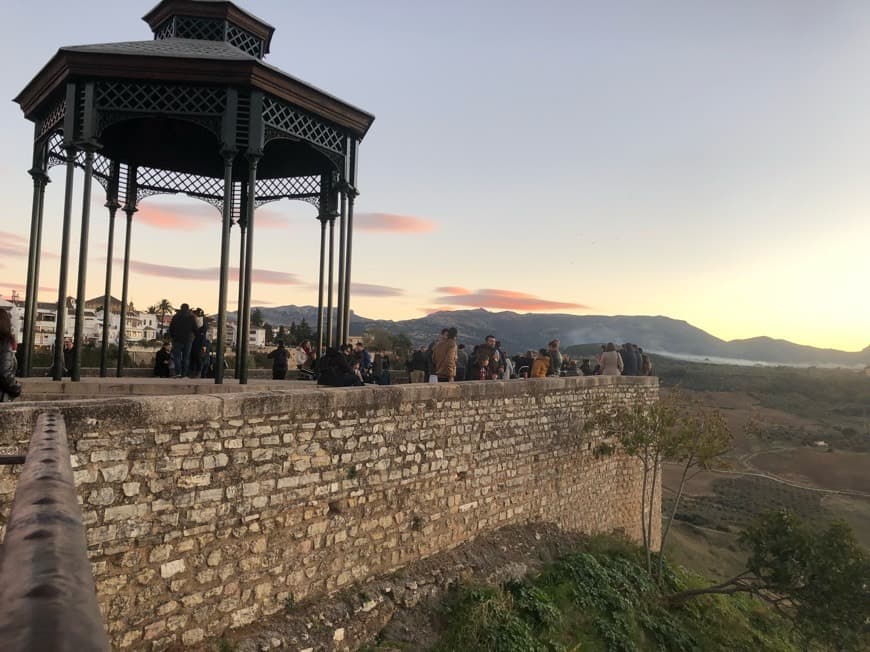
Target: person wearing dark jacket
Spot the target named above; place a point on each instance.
(10, 388)
(334, 370)
(629, 362)
(280, 361)
(163, 362)
(182, 330)
(461, 362)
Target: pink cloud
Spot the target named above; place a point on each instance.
(452, 289)
(371, 290)
(266, 276)
(20, 286)
(389, 223)
(196, 217)
(14, 245)
(506, 300)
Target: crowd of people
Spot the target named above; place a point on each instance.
(447, 361)
(187, 352)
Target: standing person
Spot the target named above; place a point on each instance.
(182, 330)
(418, 365)
(629, 362)
(461, 362)
(69, 354)
(385, 370)
(541, 364)
(444, 357)
(555, 358)
(280, 361)
(309, 355)
(365, 360)
(10, 388)
(646, 368)
(612, 363)
(485, 353)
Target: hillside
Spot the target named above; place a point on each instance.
(520, 332)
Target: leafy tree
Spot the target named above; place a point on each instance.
(380, 339)
(270, 335)
(303, 331)
(257, 318)
(819, 578)
(699, 440)
(282, 334)
(673, 429)
(402, 344)
(163, 308)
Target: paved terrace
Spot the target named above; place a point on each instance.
(46, 389)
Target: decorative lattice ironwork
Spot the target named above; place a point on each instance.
(203, 29)
(57, 156)
(289, 120)
(166, 30)
(245, 41)
(119, 101)
(152, 181)
(160, 98)
(289, 187)
(52, 119)
(55, 151)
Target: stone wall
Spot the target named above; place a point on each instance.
(208, 512)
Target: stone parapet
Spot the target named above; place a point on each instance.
(207, 512)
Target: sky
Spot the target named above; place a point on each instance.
(707, 161)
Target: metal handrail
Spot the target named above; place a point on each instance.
(48, 600)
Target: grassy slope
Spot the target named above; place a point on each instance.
(601, 599)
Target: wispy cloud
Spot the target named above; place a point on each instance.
(14, 245)
(371, 290)
(390, 223)
(197, 216)
(20, 286)
(453, 289)
(503, 300)
(266, 276)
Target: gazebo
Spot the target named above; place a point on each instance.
(197, 111)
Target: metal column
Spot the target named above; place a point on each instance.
(60, 320)
(129, 210)
(31, 301)
(78, 337)
(253, 160)
(113, 206)
(224, 270)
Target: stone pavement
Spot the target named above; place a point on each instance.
(46, 389)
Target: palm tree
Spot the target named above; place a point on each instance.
(164, 308)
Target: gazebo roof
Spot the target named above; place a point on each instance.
(189, 60)
(221, 9)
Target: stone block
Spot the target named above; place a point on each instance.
(172, 568)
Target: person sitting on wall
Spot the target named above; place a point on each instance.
(334, 370)
(163, 362)
(280, 361)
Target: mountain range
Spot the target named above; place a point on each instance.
(519, 332)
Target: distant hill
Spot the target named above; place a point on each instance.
(519, 332)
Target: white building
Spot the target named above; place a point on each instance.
(140, 325)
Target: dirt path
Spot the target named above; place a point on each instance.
(797, 485)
